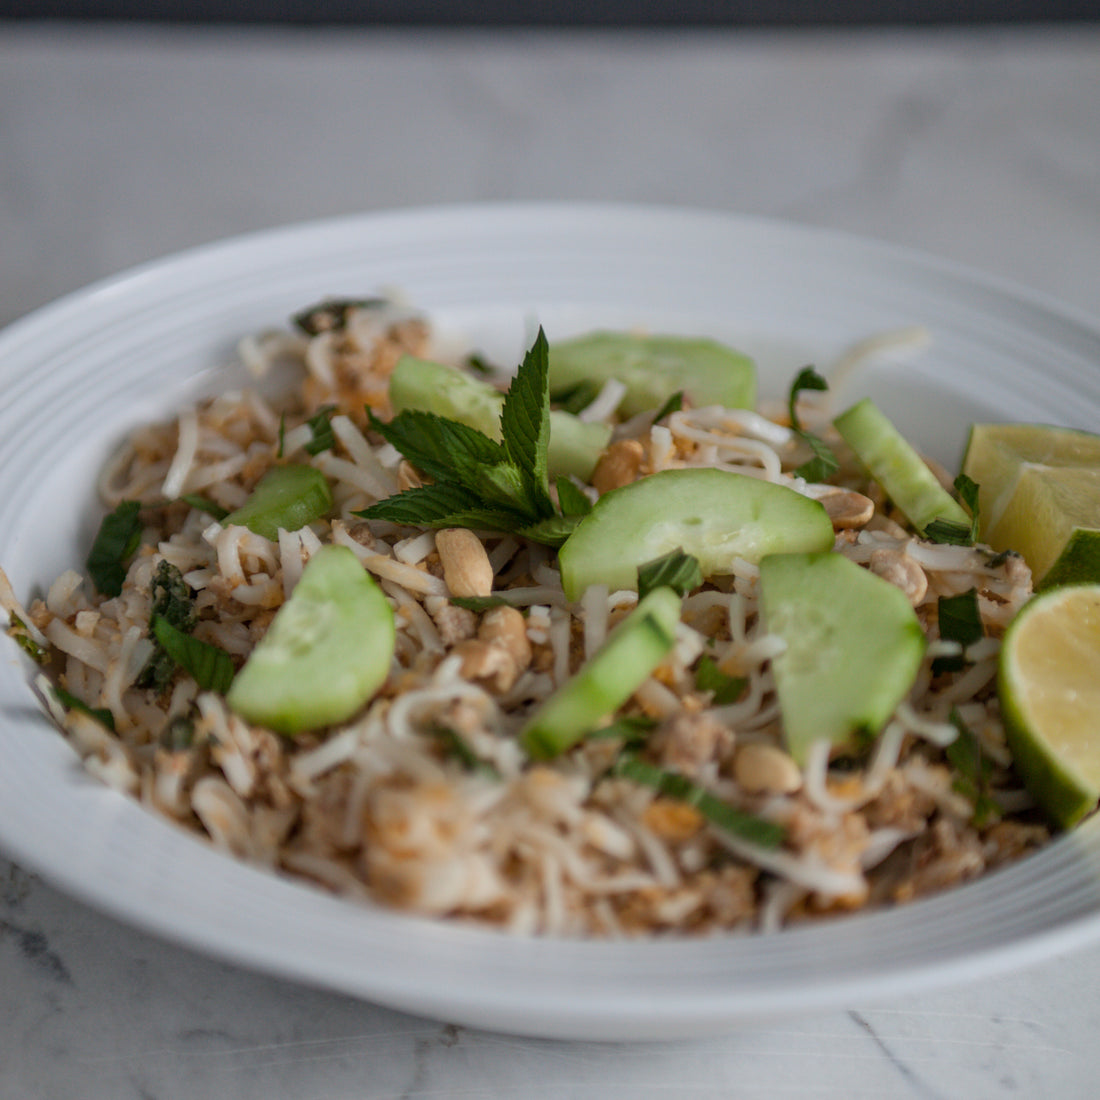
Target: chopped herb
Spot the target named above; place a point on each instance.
(674, 404)
(70, 702)
(960, 621)
(19, 633)
(201, 504)
(480, 365)
(675, 570)
(457, 746)
(210, 666)
(478, 482)
(631, 729)
(571, 499)
(974, 769)
(824, 462)
(332, 314)
(578, 397)
(321, 427)
(746, 826)
(282, 437)
(725, 689)
(481, 603)
(178, 734)
(173, 601)
(116, 542)
(952, 532)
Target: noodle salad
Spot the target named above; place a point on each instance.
(602, 648)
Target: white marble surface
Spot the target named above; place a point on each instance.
(119, 145)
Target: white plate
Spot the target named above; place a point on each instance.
(76, 375)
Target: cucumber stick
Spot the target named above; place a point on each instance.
(327, 651)
(714, 515)
(653, 368)
(608, 679)
(854, 646)
(904, 476)
(574, 445)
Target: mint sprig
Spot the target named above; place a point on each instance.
(476, 481)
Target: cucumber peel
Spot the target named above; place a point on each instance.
(327, 651)
(608, 679)
(713, 515)
(854, 647)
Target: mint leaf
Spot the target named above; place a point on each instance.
(551, 532)
(525, 424)
(674, 404)
(675, 570)
(441, 505)
(321, 427)
(960, 620)
(70, 702)
(446, 450)
(115, 543)
(577, 398)
(332, 314)
(210, 666)
(571, 499)
(824, 461)
(201, 504)
(806, 379)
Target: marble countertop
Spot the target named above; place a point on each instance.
(119, 145)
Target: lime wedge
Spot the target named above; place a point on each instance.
(1039, 494)
(1049, 682)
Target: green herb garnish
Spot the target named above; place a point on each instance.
(210, 666)
(321, 426)
(457, 746)
(482, 603)
(571, 499)
(725, 689)
(631, 729)
(974, 769)
(960, 620)
(721, 814)
(116, 542)
(675, 570)
(478, 482)
(824, 461)
(70, 702)
(172, 601)
(332, 314)
(577, 398)
(949, 531)
(674, 404)
(19, 634)
(201, 504)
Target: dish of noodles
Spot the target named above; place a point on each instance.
(679, 815)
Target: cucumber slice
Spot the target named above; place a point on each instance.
(714, 515)
(854, 646)
(289, 497)
(608, 679)
(653, 368)
(892, 462)
(327, 651)
(574, 445)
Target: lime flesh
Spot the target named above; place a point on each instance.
(1039, 494)
(1049, 683)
